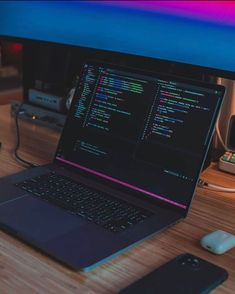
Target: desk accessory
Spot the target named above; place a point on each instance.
(227, 162)
(218, 242)
(40, 116)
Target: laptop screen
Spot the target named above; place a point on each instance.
(145, 132)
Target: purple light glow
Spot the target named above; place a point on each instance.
(121, 182)
(215, 11)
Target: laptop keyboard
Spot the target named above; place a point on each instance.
(100, 208)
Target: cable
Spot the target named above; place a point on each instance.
(219, 136)
(206, 185)
(17, 157)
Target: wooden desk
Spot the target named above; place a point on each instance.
(7, 96)
(25, 270)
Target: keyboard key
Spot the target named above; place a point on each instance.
(98, 207)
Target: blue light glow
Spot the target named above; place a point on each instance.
(121, 29)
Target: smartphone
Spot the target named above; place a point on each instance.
(185, 274)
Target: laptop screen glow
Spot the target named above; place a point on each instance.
(148, 133)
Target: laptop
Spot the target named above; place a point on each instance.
(126, 166)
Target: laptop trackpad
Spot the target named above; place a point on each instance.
(37, 220)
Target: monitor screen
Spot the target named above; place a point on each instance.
(145, 132)
(194, 33)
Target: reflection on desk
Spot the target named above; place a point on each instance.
(25, 270)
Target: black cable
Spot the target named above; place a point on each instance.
(17, 157)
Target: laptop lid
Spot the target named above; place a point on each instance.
(144, 133)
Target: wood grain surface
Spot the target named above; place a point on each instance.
(7, 96)
(25, 270)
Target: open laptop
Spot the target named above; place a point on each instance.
(126, 166)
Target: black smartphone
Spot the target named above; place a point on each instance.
(186, 274)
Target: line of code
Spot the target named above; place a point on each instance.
(172, 107)
(110, 100)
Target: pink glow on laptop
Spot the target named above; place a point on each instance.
(121, 182)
